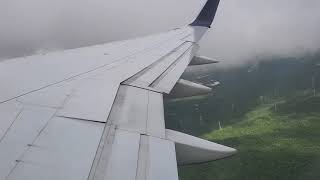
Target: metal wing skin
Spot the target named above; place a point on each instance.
(96, 113)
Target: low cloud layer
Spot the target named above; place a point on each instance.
(242, 29)
(247, 28)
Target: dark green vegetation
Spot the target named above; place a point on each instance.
(268, 112)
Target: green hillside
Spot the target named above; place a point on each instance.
(268, 111)
(271, 145)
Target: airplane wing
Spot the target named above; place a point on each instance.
(97, 112)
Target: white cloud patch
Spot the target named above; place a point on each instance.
(242, 29)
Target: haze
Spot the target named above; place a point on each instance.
(242, 29)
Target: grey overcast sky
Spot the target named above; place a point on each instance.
(242, 28)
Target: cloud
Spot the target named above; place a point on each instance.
(242, 29)
(245, 29)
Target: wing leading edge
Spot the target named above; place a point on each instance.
(98, 112)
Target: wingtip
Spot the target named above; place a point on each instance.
(207, 14)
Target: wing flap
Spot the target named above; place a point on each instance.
(123, 159)
(168, 79)
(162, 160)
(150, 74)
(138, 110)
(130, 109)
(134, 156)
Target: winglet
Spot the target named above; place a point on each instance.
(206, 16)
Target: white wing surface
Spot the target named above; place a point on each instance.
(97, 112)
